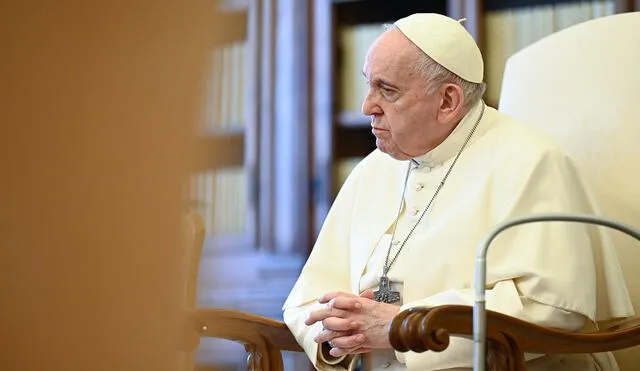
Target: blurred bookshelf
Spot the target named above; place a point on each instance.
(219, 191)
(342, 134)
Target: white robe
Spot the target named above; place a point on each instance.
(552, 274)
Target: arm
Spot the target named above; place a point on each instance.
(327, 269)
(544, 273)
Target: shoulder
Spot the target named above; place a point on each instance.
(376, 174)
(527, 160)
(531, 172)
(374, 164)
(518, 144)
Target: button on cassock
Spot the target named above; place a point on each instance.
(419, 187)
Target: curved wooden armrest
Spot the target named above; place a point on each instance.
(422, 329)
(264, 338)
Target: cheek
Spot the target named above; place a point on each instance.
(401, 120)
(408, 125)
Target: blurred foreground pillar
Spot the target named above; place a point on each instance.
(98, 100)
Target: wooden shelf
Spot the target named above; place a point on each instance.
(220, 151)
(379, 11)
(353, 141)
(353, 120)
(237, 26)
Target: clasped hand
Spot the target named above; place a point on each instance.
(353, 324)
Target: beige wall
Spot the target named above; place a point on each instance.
(96, 102)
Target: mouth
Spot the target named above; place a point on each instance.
(376, 130)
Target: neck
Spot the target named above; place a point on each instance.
(448, 128)
(452, 138)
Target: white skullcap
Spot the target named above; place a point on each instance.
(446, 41)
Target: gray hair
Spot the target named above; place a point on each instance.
(436, 75)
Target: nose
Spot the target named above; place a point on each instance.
(369, 105)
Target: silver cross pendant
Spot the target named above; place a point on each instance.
(385, 294)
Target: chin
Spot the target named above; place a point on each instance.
(391, 149)
(395, 154)
(399, 156)
(381, 146)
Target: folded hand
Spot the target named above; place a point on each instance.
(353, 324)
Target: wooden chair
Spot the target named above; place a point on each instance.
(263, 338)
(194, 235)
(582, 87)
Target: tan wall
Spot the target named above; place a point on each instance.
(96, 103)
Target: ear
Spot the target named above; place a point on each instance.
(451, 103)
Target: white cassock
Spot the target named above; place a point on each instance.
(561, 275)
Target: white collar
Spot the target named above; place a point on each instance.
(452, 144)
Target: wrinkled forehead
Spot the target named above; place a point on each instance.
(392, 55)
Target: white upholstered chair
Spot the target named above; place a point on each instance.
(582, 87)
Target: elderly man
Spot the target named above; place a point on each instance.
(404, 227)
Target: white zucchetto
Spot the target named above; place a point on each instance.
(446, 41)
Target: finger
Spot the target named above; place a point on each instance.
(328, 335)
(328, 296)
(345, 303)
(367, 294)
(339, 352)
(348, 342)
(322, 314)
(361, 350)
(339, 324)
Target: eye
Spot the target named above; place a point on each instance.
(388, 93)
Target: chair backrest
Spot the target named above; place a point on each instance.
(582, 87)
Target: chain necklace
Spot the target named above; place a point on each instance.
(384, 293)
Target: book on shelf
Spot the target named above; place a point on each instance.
(500, 35)
(219, 195)
(354, 42)
(227, 88)
(569, 14)
(510, 30)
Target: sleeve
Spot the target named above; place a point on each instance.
(543, 273)
(559, 264)
(318, 354)
(327, 269)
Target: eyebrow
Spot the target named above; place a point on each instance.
(378, 81)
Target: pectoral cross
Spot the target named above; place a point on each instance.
(385, 294)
